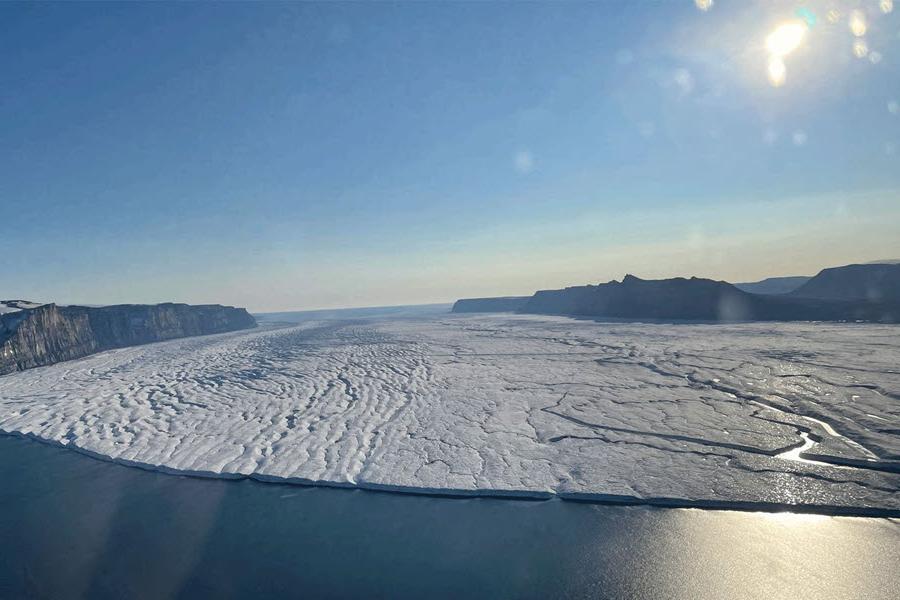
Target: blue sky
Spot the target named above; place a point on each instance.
(290, 156)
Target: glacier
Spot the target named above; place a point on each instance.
(765, 416)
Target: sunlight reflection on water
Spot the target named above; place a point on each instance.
(107, 531)
(769, 556)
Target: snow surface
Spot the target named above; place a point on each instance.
(12, 306)
(744, 415)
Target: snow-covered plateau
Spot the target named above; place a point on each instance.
(760, 415)
(13, 306)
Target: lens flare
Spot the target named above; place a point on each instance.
(858, 25)
(703, 5)
(777, 71)
(808, 16)
(786, 38)
(886, 6)
(860, 48)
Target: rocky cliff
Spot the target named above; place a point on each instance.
(46, 334)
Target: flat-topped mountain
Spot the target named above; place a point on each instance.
(701, 300)
(851, 293)
(878, 282)
(678, 298)
(33, 335)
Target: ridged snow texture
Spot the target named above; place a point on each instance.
(706, 415)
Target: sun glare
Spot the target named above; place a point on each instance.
(786, 38)
(789, 35)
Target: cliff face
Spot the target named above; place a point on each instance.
(48, 333)
(504, 304)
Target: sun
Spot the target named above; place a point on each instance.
(783, 40)
(786, 38)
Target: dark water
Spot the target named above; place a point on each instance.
(75, 527)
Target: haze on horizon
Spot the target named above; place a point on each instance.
(300, 156)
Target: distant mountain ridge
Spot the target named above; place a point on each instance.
(33, 335)
(773, 285)
(852, 293)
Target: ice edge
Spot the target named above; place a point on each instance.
(511, 494)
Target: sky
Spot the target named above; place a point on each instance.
(297, 155)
